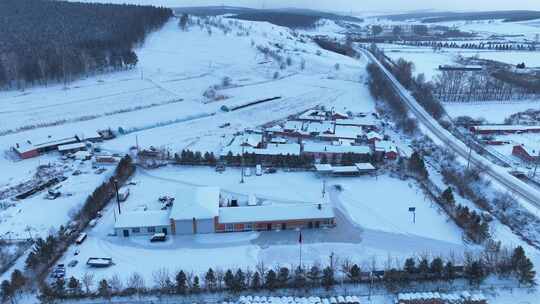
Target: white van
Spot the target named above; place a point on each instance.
(247, 172)
(258, 170)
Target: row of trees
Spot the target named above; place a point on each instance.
(50, 41)
(498, 261)
(464, 86)
(475, 226)
(188, 157)
(471, 45)
(252, 159)
(381, 89)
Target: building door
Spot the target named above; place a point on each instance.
(310, 225)
(317, 224)
(283, 226)
(164, 230)
(126, 233)
(268, 227)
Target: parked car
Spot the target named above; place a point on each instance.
(158, 237)
(220, 168)
(73, 263)
(77, 172)
(270, 170)
(247, 172)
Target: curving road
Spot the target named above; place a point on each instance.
(511, 183)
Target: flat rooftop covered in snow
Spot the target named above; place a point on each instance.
(135, 219)
(275, 212)
(201, 203)
(326, 148)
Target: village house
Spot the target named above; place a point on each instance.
(526, 153)
(30, 149)
(385, 150)
(503, 129)
(334, 152)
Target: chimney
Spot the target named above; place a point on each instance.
(319, 206)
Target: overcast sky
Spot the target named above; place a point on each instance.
(369, 5)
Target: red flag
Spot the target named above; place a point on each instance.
(300, 238)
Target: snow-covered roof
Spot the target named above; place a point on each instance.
(385, 146)
(366, 121)
(251, 139)
(323, 167)
(278, 140)
(271, 149)
(320, 127)
(78, 145)
(274, 212)
(495, 128)
(293, 125)
(351, 132)
(364, 166)
(373, 135)
(345, 169)
(325, 148)
(201, 203)
(43, 143)
(137, 219)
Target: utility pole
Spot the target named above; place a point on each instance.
(536, 163)
(242, 166)
(115, 181)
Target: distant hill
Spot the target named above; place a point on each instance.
(433, 17)
(289, 17)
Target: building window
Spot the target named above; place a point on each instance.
(136, 230)
(229, 227)
(248, 227)
(152, 229)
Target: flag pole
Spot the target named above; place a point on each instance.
(300, 241)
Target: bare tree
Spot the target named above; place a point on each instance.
(88, 281)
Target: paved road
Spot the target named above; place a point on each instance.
(511, 183)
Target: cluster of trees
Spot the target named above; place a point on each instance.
(501, 205)
(290, 20)
(421, 90)
(282, 161)
(381, 89)
(475, 226)
(188, 157)
(464, 86)
(11, 289)
(46, 251)
(50, 41)
(335, 46)
(417, 166)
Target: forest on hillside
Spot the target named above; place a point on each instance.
(55, 41)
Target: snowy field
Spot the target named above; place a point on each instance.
(427, 61)
(493, 112)
(377, 224)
